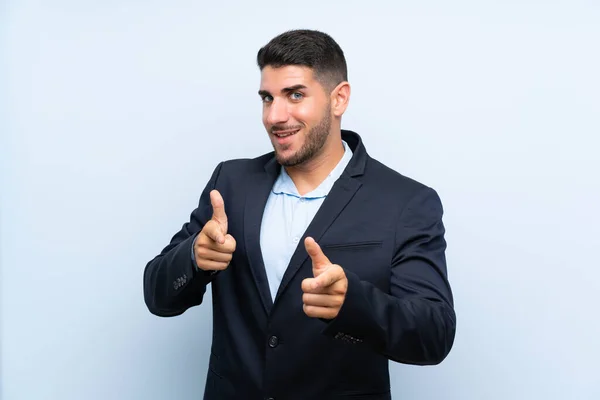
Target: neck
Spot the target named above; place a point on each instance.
(308, 176)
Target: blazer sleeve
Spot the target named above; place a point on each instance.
(172, 281)
(415, 322)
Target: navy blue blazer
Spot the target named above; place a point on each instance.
(383, 228)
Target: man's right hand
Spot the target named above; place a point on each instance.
(214, 247)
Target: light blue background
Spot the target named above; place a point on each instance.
(114, 114)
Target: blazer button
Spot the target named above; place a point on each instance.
(273, 341)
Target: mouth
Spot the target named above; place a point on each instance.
(284, 134)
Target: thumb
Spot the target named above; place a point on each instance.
(218, 206)
(319, 260)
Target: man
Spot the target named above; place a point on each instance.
(324, 263)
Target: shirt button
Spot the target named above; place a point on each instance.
(273, 341)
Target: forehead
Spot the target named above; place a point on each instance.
(275, 79)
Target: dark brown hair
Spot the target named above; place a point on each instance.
(308, 48)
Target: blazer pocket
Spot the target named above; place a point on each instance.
(368, 259)
(353, 245)
(219, 384)
(212, 369)
(213, 365)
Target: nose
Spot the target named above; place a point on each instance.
(277, 113)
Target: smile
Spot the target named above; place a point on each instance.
(286, 133)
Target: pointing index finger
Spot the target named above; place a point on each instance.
(218, 206)
(314, 251)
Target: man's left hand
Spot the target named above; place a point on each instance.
(325, 293)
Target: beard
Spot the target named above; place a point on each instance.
(313, 142)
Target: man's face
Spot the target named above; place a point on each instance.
(296, 113)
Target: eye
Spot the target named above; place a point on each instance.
(266, 99)
(297, 96)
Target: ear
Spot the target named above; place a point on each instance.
(340, 97)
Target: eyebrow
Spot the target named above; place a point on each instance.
(284, 90)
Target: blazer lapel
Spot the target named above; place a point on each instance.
(257, 193)
(340, 195)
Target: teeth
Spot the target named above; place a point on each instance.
(284, 135)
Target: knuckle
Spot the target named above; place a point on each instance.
(308, 310)
(200, 251)
(231, 243)
(202, 265)
(305, 286)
